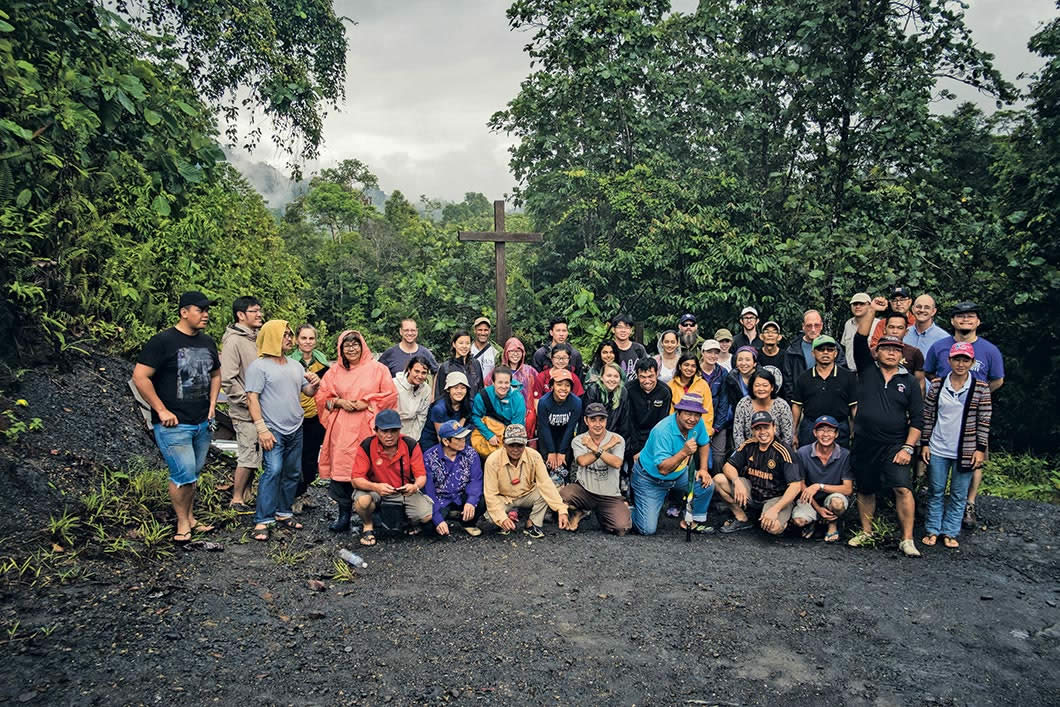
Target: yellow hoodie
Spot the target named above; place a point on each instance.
(270, 338)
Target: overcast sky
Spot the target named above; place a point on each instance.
(424, 76)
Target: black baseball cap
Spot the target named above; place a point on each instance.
(194, 298)
(965, 308)
(900, 291)
(761, 418)
(686, 318)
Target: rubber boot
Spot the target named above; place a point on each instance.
(342, 523)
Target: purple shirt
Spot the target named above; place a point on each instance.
(452, 482)
(987, 366)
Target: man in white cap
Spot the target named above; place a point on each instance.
(748, 335)
(481, 349)
(859, 304)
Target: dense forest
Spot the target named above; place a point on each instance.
(784, 155)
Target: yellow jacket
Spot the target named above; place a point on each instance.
(701, 387)
(499, 491)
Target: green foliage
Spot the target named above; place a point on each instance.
(785, 155)
(1021, 476)
(113, 192)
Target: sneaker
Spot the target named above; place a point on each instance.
(970, 519)
(861, 539)
(908, 548)
(533, 531)
(241, 509)
(734, 526)
(472, 530)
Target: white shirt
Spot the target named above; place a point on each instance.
(947, 431)
(488, 359)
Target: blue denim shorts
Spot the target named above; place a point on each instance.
(184, 448)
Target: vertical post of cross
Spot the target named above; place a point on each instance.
(498, 236)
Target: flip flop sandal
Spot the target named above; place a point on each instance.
(182, 538)
(832, 537)
(929, 540)
(262, 535)
(808, 532)
(950, 542)
(289, 523)
(368, 538)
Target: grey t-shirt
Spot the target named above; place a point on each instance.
(598, 477)
(278, 386)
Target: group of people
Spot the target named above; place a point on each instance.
(788, 436)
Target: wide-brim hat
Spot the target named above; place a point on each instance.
(691, 402)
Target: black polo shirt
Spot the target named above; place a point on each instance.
(833, 395)
(886, 409)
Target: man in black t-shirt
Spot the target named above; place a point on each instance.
(649, 403)
(886, 431)
(825, 389)
(762, 474)
(627, 351)
(178, 373)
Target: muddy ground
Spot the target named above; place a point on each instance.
(580, 618)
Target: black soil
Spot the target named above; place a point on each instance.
(581, 618)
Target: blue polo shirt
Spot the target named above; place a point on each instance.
(664, 441)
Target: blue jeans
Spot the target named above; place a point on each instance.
(282, 470)
(946, 521)
(184, 448)
(650, 494)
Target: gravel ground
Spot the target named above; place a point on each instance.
(582, 618)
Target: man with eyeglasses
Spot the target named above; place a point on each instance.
(988, 366)
(901, 300)
(748, 335)
(238, 350)
(397, 357)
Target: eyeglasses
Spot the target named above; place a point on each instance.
(351, 344)
(254, 310)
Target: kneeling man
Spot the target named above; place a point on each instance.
(664, 463)
(597, 460)
(761, 475)
(827, 481)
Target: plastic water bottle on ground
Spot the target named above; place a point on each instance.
(352, 558)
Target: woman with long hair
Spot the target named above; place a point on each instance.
(610, 390)
(669, 352)
(605, 354)
(350, 394)
(460, 361)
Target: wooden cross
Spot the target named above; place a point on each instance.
(499, 237)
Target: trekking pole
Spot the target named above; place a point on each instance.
(688, 505)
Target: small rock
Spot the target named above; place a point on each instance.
(454, 692)
(27, 696)
(316, 585)
(559, 584)
(1050, 602)
(602, 596)
(1049, 632)
(986, 597)
(348, 649)
(316, 614)
(819, 602)
(1019, 633)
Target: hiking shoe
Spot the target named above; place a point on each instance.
(861, 539)
(970, 520)
(472, 530)
(533, 531)
(908, 548)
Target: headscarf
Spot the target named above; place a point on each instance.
(270, 338)
(366, 353)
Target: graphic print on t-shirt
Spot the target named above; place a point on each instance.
(194, 366)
